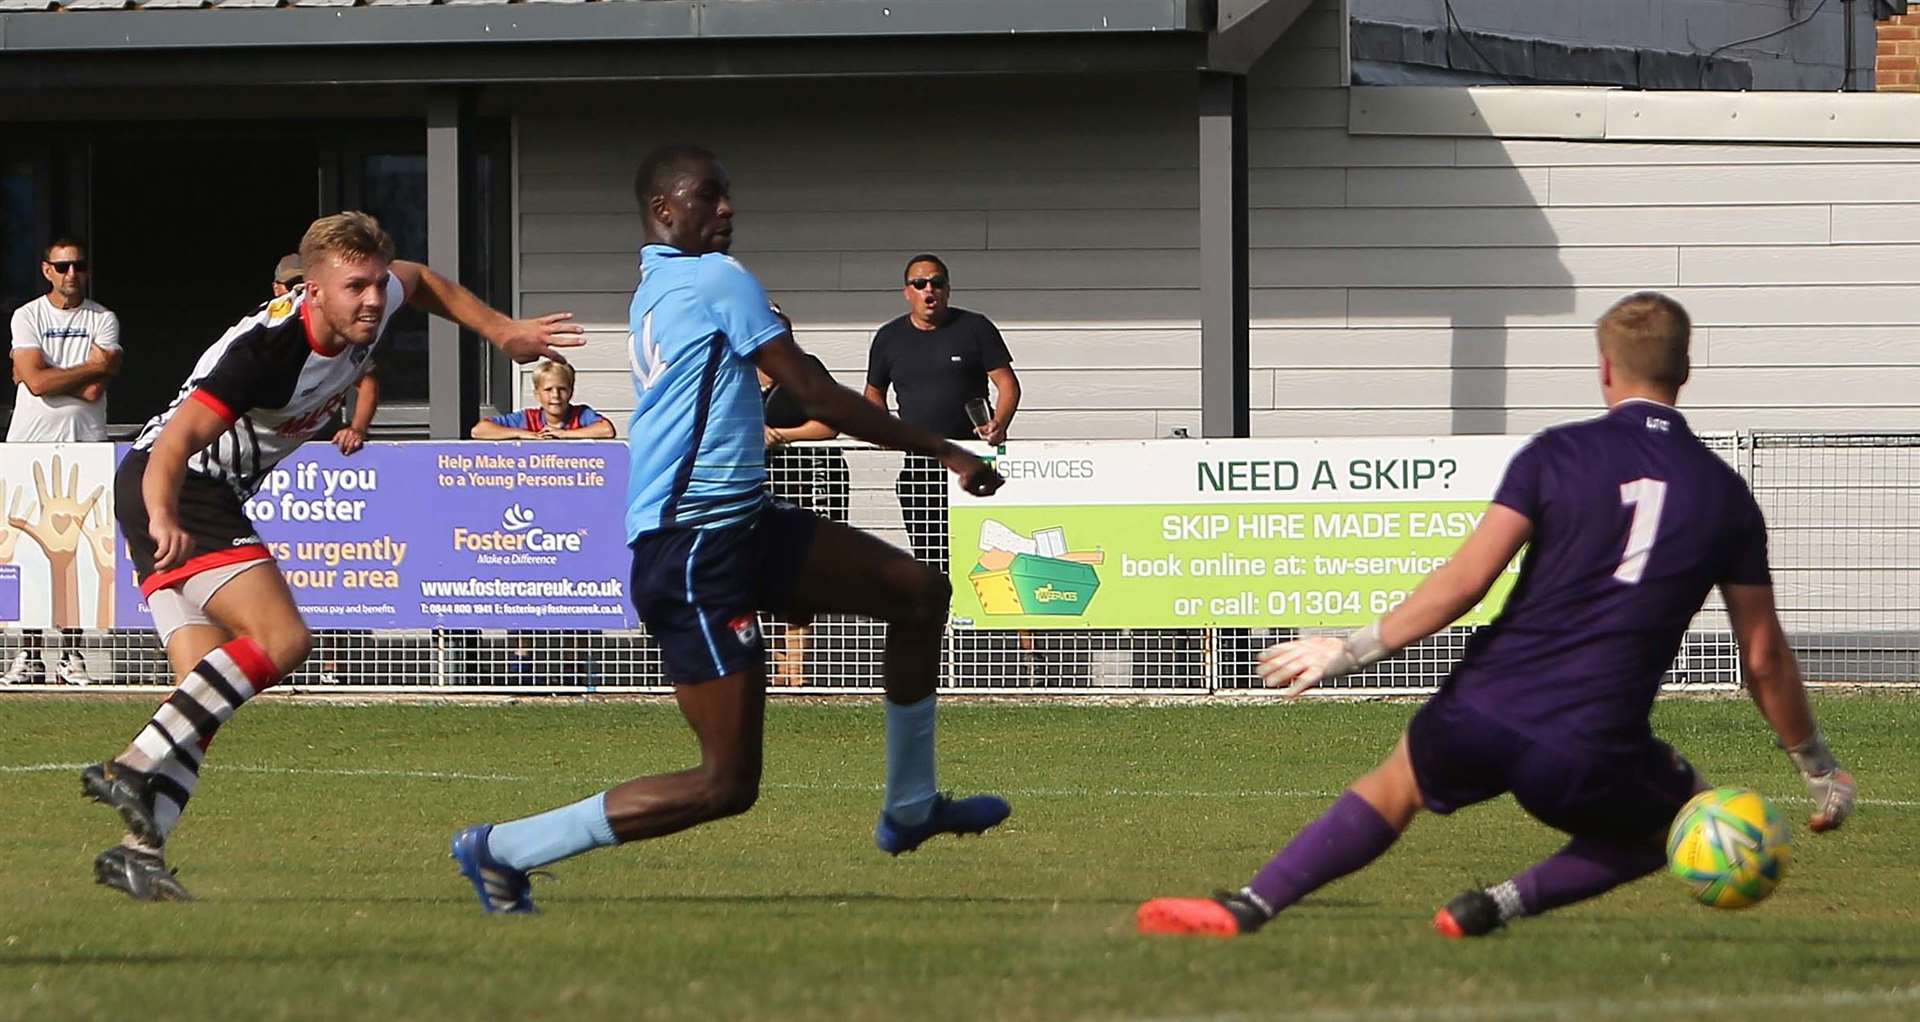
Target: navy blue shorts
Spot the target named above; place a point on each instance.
(1462, 757)
(699, 590)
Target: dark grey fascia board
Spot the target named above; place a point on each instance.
(614, 20)
(762, 18)
(1248, 29)
(283, 28)
(551, 62)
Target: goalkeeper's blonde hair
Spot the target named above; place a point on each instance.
(1645, 335)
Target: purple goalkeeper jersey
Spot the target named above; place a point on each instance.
(1634, 521)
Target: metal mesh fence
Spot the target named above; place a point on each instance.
(1843, 514)
(1843, 523)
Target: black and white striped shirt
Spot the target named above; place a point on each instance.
(273, 388)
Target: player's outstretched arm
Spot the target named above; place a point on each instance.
(193, 426)
(1450, 591)
(523, 340)
(1773, 680)
(827, 401)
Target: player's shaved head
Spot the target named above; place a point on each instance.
(664, 166)
(686, 199)
(1645, 335)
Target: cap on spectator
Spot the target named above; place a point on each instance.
(288, 270)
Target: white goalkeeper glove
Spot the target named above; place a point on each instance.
(1830, 787)
(1303, 663)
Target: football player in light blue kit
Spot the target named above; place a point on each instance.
(711, 550)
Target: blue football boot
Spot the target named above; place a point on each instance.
(974, 815)
(501, 887)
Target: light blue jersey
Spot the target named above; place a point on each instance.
(697, 437)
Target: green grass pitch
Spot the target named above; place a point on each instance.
(318, 849)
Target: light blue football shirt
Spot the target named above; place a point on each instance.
(697, 438)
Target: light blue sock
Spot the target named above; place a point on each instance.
(553, 835)
(910, 775)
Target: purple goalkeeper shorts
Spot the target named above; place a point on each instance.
(1462, 757)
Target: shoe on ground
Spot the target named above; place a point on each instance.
(26, 669)
(975, 815)
(501, 888)
(1226, 914)
(129, 792)
(1469, 914)
(73, 670)
(142, 876)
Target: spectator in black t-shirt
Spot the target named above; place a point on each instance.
(939, 358)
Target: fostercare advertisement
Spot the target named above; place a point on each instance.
(1223, 533)
(455, 535)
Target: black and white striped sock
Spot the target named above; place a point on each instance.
(173, 784)
(173, 744)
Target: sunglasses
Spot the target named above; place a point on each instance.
(922, 283)
(63, 265)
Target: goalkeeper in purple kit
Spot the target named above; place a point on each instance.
(1628, 521)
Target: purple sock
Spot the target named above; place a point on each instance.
(1347, 836)
(1584, 868)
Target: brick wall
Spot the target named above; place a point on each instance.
(1897, 68)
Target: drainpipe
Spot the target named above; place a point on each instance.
(1846, 76)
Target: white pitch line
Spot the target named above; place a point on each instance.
(1581, 1009)
(1089, 792)
(1167, 793)
(1881, 803)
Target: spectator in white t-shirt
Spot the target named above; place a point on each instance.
(65, 348)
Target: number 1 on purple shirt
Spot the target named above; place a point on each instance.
(1645, 496)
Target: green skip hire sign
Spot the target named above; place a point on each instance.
(1257, 533)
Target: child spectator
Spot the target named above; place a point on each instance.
(556, 417)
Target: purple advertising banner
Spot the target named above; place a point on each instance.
(450, 535)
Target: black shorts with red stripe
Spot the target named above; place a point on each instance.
(211, 513)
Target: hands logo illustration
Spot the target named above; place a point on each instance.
(62, 523)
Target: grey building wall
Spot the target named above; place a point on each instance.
(1065, 207)
(1400, 284)
(1444, 284)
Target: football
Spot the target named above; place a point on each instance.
(1731, 846)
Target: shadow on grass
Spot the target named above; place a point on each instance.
(579, 897)
(119, 959)
(1908, 962)
(1639, 927)
(875, 898)
(1360, 909)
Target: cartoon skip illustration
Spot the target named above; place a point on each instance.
(1034, 574)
